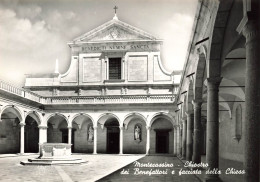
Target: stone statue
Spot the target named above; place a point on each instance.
(137, 133)
(90, 134)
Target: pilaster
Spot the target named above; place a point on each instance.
(121, 140)
(148, 130)
(95, 140)
(22, 138)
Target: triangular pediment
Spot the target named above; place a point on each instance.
(114, 30)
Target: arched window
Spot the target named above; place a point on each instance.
(238, 123)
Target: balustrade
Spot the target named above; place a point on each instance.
(113, 99)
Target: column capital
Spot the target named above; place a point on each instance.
(197, 103)
(94, 127)
(248, 26)
(184, 118)
(42, 127)
(121, 127)
(22, 124)
(213, 82)
(184, 121)
(148, 127)
(189, 113)
(70, 127)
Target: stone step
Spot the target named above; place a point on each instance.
(53, 159)
(69, 161)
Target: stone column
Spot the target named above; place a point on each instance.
(184, 137)
(42, 134)
(148, 129)
(250, 27)
(179, 131)
(69, 134)
(42, 137)
(175, 142)
(212, 147)
(121, 140)
(95, 140)
(196, 157)
(22, 138)
(189, 136)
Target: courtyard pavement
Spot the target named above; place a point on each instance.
(100, 167)
(224, 164)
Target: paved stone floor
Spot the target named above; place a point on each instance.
(97, 167)
(104, 167)
(135, 170)
(224, 164)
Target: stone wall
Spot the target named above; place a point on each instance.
(132, 146)
(81, 142)
(229, 146)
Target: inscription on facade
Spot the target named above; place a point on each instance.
(126, 47)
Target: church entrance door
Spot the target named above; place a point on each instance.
(162, 141)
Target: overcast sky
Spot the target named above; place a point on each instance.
(33, 33)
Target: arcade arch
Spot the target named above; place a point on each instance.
(135, 134)
(10, 130)
(108, 134)
(162, 134)
(31, 133)
(83, 133)
(57, 131)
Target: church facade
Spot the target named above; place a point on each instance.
(115, 98)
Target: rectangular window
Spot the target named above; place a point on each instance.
(114, 68)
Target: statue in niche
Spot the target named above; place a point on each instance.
(90, 133)
(137, 133)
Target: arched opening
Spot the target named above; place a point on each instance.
(83, 134)
(57, 131)
(10, 131)
(108, 133)
(135, 135)
(161, 137)
(31, 135)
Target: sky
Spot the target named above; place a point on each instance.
(34, 33)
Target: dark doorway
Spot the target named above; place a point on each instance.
(162, 141)
(113, 140)
(113, 135)
(31, 136)
(65, 137)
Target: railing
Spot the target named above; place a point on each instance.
(20, 92)
(111, 99)
(106, 99)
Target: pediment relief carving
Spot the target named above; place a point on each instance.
(114, 33)
(114, 30)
